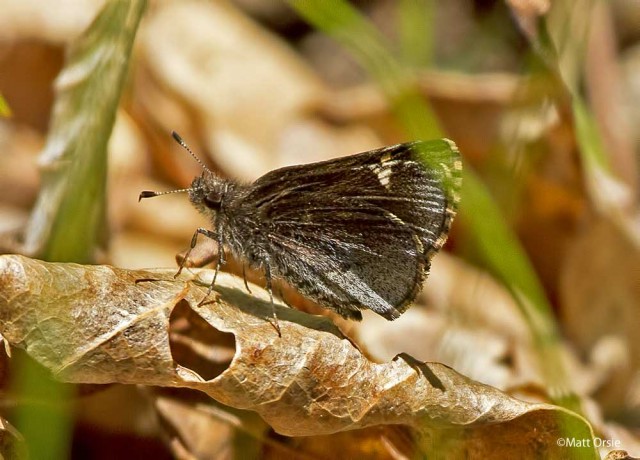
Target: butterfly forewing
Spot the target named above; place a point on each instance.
(358, 232)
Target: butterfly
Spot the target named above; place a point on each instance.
(351, 234)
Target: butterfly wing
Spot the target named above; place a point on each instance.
(358, 232)
(365, 263)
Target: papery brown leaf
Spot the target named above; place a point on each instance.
(205, 51)
(95, 324)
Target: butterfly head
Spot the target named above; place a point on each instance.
(207, 193)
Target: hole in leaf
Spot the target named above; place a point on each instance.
(197, 345)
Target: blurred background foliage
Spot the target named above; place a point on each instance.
(538, 292)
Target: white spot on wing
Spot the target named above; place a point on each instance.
(384, 176)
(384, 170)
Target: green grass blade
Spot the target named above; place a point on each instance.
(416, 35)
(507, 259)
(68, 220)
(561, 43)
(500, 248)
(345, 24)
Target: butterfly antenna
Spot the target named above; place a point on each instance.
(151, 194)
(184, 145)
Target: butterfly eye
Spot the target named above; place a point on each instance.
(213, 201)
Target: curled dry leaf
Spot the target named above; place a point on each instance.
(99, 324)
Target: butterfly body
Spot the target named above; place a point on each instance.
(352, 233)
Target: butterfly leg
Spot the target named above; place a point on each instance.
(221, 260)
(194, 240)
(267, 275)
(244, 277)
(219, 263)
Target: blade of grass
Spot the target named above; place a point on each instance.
(346, 25)
(506, 257)
(500, 248)
(68, 221)
(561, 43)
(415, 32)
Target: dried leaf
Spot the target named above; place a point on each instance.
(601, 303)
(619, 455)
(205, 52)
(29, 18)
(212, 430)
(95, 324)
